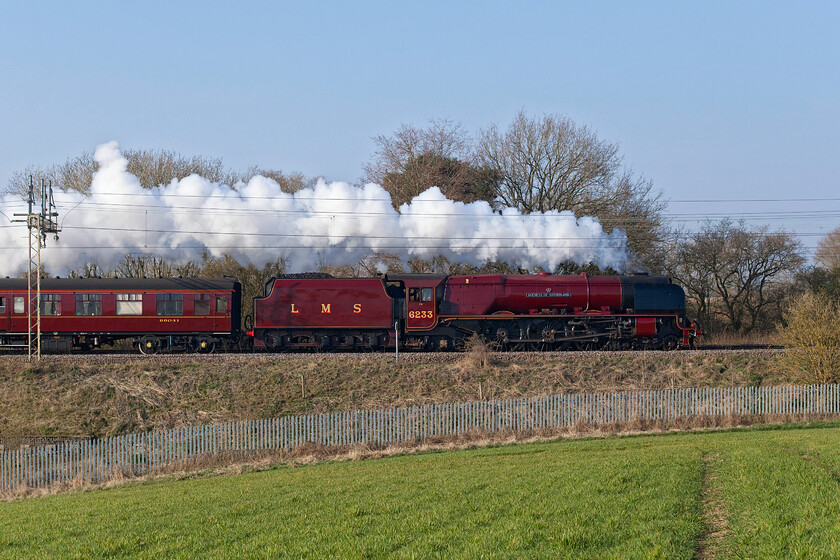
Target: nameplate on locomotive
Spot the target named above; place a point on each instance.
(548, 294)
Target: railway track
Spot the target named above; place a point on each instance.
(409, 357)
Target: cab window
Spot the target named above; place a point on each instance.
(426, 294)
(19, 305)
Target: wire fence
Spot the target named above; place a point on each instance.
(98, 460)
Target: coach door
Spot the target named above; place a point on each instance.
(421, 305)
(5, 313)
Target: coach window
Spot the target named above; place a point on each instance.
(129, 304)
(50, 304)
(19, 305)
(426, 294)
(2, 305)
(414, 294)
(221, 304)
(202, 304)
(88, 304)
(170, 304)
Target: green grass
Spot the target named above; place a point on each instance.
(633, 497)
(783, 495)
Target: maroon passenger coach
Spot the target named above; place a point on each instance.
(157, 314)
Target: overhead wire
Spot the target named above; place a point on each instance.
(298, 197)
(625, 222)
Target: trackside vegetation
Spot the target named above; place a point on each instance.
(776, 492)
(92, 397)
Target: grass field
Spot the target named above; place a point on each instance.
(757, 493)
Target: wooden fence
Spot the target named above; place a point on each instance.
(98, 460)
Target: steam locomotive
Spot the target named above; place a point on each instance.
(322, 313)
(435, 312)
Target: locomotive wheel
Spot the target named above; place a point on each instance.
(612, 344)
(360, 344)
(149, 345)
(670, 342)
(431, 344)
(505, 336)
(375, 341)
(501, 338)
(325, 343)
(491, 335)
(545, 333)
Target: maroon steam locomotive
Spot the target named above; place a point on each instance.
(432, 312)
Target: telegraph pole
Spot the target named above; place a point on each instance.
(39, 224)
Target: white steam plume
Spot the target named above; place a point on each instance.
(330, 223)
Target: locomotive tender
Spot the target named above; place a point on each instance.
(432, 312)
(319, 312)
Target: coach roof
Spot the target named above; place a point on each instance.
(123, 284)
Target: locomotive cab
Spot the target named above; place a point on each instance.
(422, 296)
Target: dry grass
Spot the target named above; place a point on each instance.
(478, 354)
(93, 399)
(714, 512)
(734, 339)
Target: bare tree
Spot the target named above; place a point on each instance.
(440, 155)
(811, 334)
(822, 281)
(442, 138)
(736, 276)
(90, 270)
(548, 163)
(74, 174)
(551, 163)
(144, 266)
(152, 168)
(366, 267)
(828, 253)
(252, 278)
(289, 182)
(158, 167)
(457, 180)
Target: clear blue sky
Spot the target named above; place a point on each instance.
(710, 100)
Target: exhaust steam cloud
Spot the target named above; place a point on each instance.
(330, 223)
